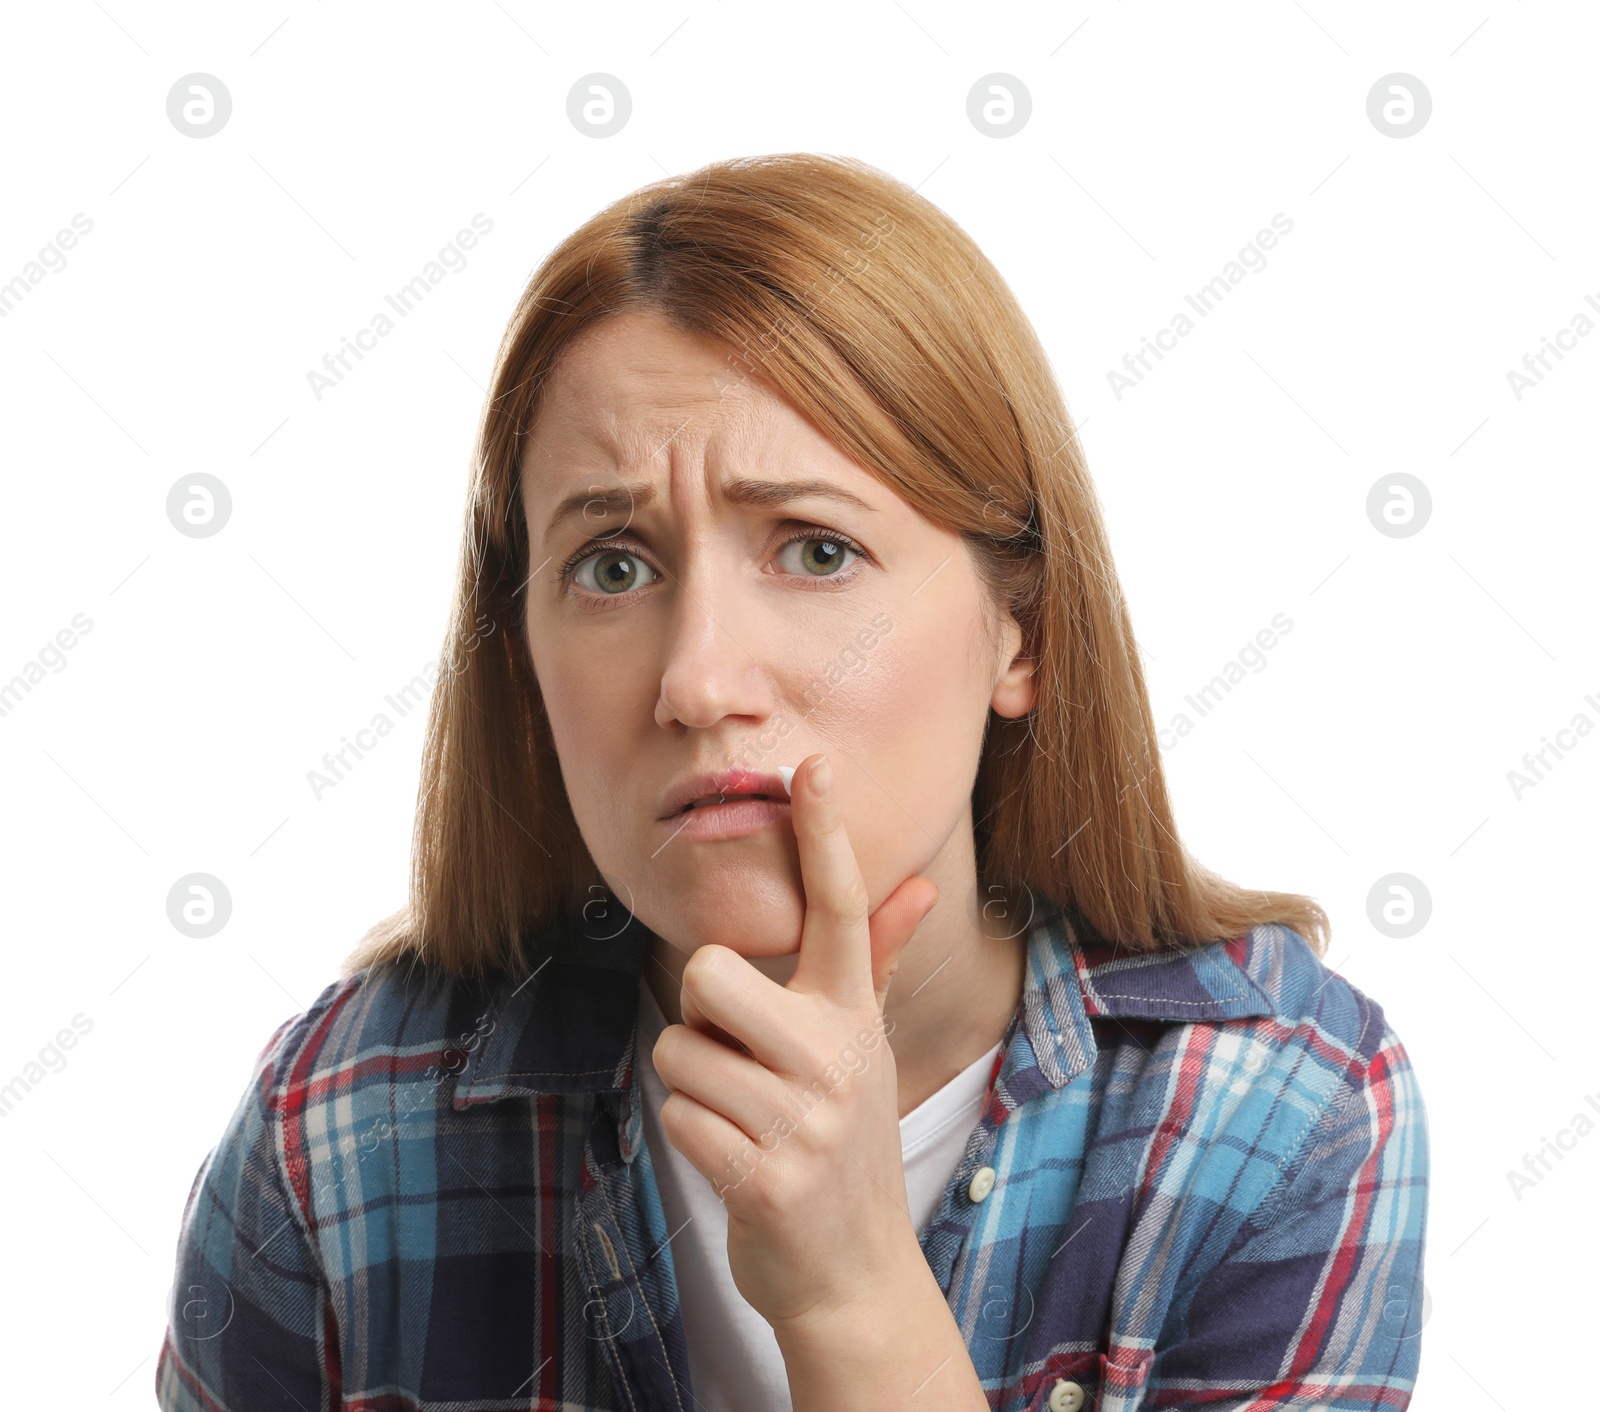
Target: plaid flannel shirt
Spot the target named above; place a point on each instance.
(1210, 1190)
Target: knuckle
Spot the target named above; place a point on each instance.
(853, 898)
(771, 1198)
(831, 823)
(849, 903)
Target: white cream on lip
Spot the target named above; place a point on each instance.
(786, 774)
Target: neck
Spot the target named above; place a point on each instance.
(959, 983)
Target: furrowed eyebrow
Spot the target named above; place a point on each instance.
(602, 503)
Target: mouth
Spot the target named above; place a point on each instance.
(711, 800)
(723, 818)
(717, 789)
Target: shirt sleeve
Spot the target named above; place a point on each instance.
(1320, 1301)
(249, 1321)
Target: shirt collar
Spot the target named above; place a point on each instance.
(570, 1027)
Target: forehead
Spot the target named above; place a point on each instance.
(632, 381)
(635, 393)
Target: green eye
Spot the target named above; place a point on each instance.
(822, 554)
(616, 570)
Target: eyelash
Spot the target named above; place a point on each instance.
(599, 546)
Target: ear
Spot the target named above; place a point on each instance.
(1017, 686)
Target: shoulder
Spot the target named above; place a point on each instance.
(1276, 1082)
(1312, 1006)
(340, 1062)
(1252, 1037)
(370, 1014)
(1292, 1159)
(1325, 1060)
(1321, 1018)
(1266, 988)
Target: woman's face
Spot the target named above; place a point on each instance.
(732, 617)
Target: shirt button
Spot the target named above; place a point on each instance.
(982, 1183)
(1066, 1396)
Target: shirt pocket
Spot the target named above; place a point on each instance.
(1123, 1379)
(1093, 1382)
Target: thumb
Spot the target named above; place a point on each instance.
(892, 926)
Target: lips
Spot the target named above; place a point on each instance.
(718, 787)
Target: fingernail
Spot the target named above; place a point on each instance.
(821, 777)
(786, 774)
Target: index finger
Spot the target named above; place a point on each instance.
(835, 940)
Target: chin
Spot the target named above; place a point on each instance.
(759, 926)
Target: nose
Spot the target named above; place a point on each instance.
(711, 666)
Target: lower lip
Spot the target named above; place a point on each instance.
(735, 819)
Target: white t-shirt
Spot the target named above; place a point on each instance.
(734, 1362)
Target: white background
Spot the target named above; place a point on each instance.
(1377, 739)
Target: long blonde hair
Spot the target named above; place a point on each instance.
(877, 316)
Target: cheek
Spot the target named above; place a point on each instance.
(918, 695)
(584, 701)
(912, 720)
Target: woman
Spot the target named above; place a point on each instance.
(803, 997)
